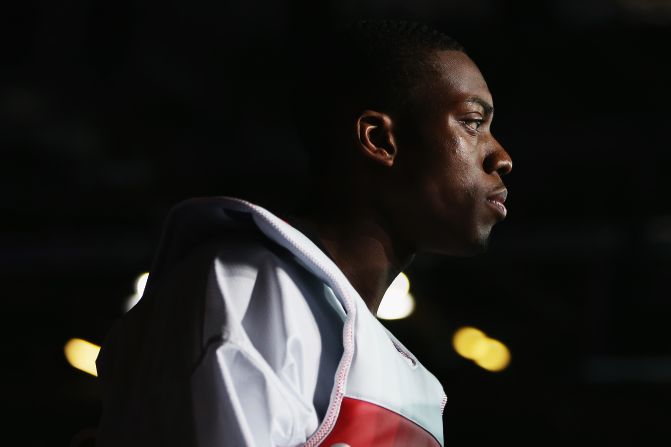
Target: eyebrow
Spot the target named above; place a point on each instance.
(489, 109)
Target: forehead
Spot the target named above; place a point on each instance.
(457, 78)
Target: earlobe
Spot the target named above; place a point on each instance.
(375, 137)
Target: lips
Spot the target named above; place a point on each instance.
(496, 200)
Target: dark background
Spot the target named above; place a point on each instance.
(110, 112)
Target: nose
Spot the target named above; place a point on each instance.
(498, 160)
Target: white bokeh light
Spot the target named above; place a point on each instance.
(397, 302)
(140, 284)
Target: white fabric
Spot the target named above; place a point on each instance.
(260, 362)
(240, 341)
(261, 376)
(402, 383)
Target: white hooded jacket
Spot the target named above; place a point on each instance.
(249, 335)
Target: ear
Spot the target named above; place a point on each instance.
(375, 137)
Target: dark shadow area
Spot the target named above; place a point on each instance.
(110, 113)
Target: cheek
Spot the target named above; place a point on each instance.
(442, 170)
(458, 171)
(448, 194)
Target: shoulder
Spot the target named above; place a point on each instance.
(254, 284)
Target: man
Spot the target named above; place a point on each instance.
(258, 329)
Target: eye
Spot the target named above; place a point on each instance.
(473, 124)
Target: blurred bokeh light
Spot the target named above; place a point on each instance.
(82, 354)
(486, 352)
(397, 301)
(140, 284)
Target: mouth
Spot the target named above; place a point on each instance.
(496, 200)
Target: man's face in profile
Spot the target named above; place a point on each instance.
(450, 162)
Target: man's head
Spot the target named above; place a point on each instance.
(407, 131)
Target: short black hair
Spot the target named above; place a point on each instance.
(388, 58)
(368, 64)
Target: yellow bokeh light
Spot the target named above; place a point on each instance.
(397, 302)
(496, 357)
(469, 342)
(82, 355)
(486, 352)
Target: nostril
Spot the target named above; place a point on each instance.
(505, 167)
(497, 159)
(498, 163)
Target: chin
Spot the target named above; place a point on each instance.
(463, 241)
(477, 244)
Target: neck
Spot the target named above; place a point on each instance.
(360, 244)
